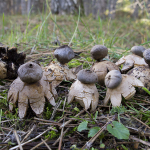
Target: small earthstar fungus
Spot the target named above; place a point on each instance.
(120, 85)
(30, 88)
(101, 68)
(132, 60)
(57, 72)
(143, 72)
(84, 91)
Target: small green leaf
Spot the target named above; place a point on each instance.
(76, 109)
(96, 114)
(146, 90)
(118, 130)
(102, 145)
(82, 126)
(93, 131)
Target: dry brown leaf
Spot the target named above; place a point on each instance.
(125, 89)
(130, 61)
(86, 94)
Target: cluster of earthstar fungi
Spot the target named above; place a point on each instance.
(35, 85)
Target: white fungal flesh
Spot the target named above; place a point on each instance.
(86, 94)
(125, 89)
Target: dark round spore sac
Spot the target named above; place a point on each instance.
(138, 50)
(87, 77)
(64, 54)
(146, 56)
(98, 52)
(113, 79)
(30, 72)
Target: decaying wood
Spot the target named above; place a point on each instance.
(10, 60)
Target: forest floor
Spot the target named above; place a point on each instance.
(38, 36)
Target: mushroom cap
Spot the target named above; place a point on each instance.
(138, 50)
(113, 79)
(64, 54)
(102, 68)
(146, 56)
(98, 52)
(30, 72)
(87, 76)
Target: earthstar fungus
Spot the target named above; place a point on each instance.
(133, 60)
(143, 72)
(30, 87)
(84, 91)
(101, 68)
(124, 88)
(57, 72)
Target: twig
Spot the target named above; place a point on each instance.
(55, 109)
(28, 134)
(48, 121)
(11, 120)
(139, 140)
(46, 144)
(17, 138)
(141, 122)
(39, 144)
(60, 136)
(64, 124)
(90, 142)
(32, 139)
(62, 130)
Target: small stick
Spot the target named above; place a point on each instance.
(60, 136)
(28, 134)
(64, 124)
(46, 144)
(139, 140)
(55, 109)
(11, 120)
(48, 121)
(31, 139)
(62, 130)
(141, 122)
(39, 144)
(17, 138)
